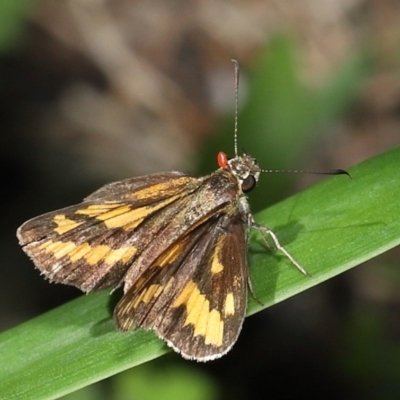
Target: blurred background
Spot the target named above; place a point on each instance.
(96, 91)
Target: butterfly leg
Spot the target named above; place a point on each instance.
(266, 231)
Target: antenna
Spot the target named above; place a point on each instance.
(300, 171)
(236, 83)
(276, 171)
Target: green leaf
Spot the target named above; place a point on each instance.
(174, 382)
(328, 228)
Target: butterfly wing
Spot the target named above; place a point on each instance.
(177, 243)
(194, 294)
(91, 245)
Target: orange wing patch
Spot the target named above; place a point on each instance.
(206, 322)
(91, 254)
(216, 265)
(157, 189)
(64, 224)
(123, 216)
(229, 306)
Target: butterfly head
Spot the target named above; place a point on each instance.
(244, 168)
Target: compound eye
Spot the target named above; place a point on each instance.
(248, 184)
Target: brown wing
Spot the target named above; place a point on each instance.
(91, 245)
(149, 186)
(194, 294)
(118, 231)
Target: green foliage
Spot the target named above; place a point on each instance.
(156, 380)
(330, 228)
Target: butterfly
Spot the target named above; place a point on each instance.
(176, 243)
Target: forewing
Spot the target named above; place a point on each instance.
(92, 244)
(140, 187)
(194, 295)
